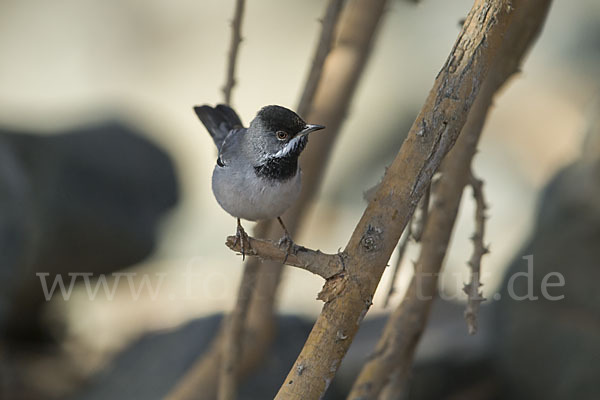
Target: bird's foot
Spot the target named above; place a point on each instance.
(241, 237)
(286, 240)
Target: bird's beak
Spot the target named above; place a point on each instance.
(311, 128)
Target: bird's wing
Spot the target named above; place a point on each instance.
(219, 121)
(228, 146)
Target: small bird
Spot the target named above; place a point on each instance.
(257, 176)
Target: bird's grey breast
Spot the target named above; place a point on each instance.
(243, 193)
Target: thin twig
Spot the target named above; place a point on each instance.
(329, 23)
(402, 245)
(236, 39)
(475, 297)
(315, 261)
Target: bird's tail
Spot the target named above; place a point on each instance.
(219, 121)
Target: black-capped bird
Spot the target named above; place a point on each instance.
(257, 175)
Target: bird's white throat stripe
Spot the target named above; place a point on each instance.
(289, 147)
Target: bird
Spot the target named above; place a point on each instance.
(257, 175)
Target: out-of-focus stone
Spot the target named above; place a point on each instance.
(88, 200)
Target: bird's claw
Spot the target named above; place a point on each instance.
(286, 240)
(241, 237)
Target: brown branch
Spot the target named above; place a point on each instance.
(329, 23)
(475, 297)
(430, 138)
(236, 39)
(385, 375)
(324, 265)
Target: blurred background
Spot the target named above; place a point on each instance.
(104, 167)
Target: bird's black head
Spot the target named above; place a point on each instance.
(277, 118)
(277, 137)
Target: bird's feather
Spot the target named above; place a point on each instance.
(219, 121)
(228, 146)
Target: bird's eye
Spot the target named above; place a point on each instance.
(281, 135)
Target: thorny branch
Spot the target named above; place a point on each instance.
(236, 39)
(475, 297)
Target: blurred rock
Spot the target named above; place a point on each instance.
(448, 359)
(15, 222)
(151, 367)
(88, 200)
